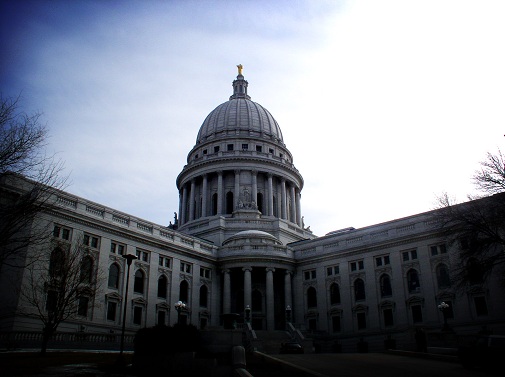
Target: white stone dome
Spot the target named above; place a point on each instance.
(252, 236)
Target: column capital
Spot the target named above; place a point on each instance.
(270, 269)
(236, 171)
(219, 172)
(247, 268)
(288, 272)
(270, 175)
(254, 172)
(225, 270)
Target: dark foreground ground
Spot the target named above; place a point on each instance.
(79, 364)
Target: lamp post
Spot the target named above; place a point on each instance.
(247, 314)
(179, 306)
(288, 314)
(443, 308)
(129, 259)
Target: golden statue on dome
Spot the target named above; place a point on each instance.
(240, 68)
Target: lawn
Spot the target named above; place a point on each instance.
(32, 363)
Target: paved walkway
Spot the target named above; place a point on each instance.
(376, 365)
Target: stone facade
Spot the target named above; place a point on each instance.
(239, 241)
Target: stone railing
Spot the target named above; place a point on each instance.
(65, 340)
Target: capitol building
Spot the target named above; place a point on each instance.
(238, 244)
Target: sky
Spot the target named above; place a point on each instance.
(384, 105)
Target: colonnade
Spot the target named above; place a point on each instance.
(202, 196)
(270, 296)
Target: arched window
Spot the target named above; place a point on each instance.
(334, 294)
(257, 301)
(86, 269)
(359, 289)
(138, 283)
(443, 278)
(260, 202)
(413, 281)
(162, 286)
(56, 262)
(229, 203)
(114, 276)
(203, 296)
(183, 291)
(214, 204)
(311, 297)
(385, 285)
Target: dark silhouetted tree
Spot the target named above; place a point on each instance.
(27, 177)
(60, 284)
(477, 227)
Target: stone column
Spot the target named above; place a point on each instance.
(287, 289)
(180, 207)
(192, 201)
(270, 299)
(226, 292)
(254, 180)
(236, 194)
(284, 214)
(247, 286)
(298, 208)
(184, 205)
(205, 195)
(292, 215)
(270, 195)
(220, 192)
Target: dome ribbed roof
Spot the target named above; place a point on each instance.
(240, 117)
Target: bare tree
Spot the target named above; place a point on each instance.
(22, 159)
(477, 227)
(60, 286)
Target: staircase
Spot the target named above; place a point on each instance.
(271, 340)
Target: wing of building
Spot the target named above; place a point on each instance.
(239, 245)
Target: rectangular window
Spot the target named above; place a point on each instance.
(335, 323)
(82, 308)
(438, 249)
(309, 275)
(90, 240)
(333, 270)
(216, 149)
(480, 306)
(117, 248)
(382, 261)
(204, 152)
(161, 317)
(51, 301)
(111, 311)
(245, 147)
(137, 315)
(409, 255)
(361, 318)
(205, 272)
(271, 151)
(185, 267)
(229, 147)
(357, 266)
(388, 317)
(61, 232)
(259, 148)
(417, 313)
(142, 255)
